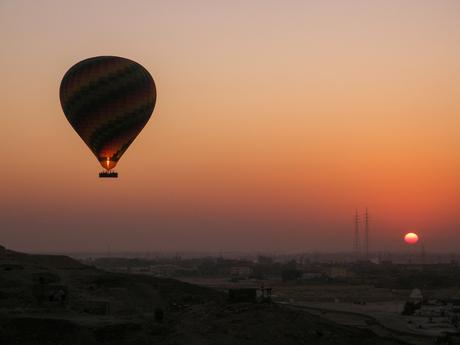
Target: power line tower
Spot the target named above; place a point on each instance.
(357, 241)
(366, 234)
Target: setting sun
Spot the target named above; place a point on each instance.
(411, 238)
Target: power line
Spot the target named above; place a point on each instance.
(357, 241)
(366, 234)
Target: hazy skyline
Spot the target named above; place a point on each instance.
(274, 121)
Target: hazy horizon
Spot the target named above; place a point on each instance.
(274, 122)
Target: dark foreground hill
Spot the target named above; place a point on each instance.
(47, 299)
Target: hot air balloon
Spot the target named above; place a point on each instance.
(107, 100)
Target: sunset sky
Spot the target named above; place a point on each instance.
(274, 121)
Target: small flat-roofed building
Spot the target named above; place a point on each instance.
(248, 295)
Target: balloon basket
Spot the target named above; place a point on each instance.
(109, 174)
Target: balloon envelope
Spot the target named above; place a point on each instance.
(107, 100)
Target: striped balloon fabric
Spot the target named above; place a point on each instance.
(108, 100)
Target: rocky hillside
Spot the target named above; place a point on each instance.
(48, 299)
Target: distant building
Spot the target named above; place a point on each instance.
(241, 271)
(311, 275)
(338, 272)
(167, 270)
(265, 260)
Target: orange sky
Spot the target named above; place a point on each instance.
(274, 121)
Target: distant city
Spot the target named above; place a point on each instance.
(419, 256)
